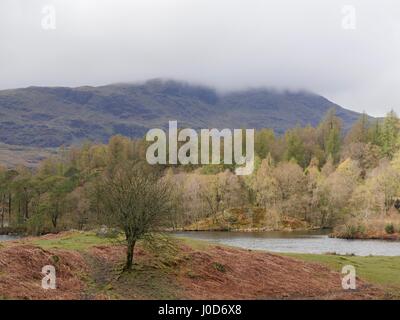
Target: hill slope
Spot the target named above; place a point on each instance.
(52, 116)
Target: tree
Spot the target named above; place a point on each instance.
(291, 188)
(263, 142)
(385, 181)
(3, 194)
(375, 133)
(220, 191)
(359, 132)
(134, 200)
(58, 188)
(24, 190)
(390, 134)
(334, 192)
(295, 147)
(366, 154)
(264, 184)
(329, 135)
(313, 176)
(78, 207)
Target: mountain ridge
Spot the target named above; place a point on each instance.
(54, 116)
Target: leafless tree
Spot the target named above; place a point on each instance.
(135, 200)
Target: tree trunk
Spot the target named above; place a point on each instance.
(129, 254)
(9, 208)
(2, 218)
(54, 219)
(26, 210)
(3, 210)
(54, 216)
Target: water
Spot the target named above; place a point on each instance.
(7, 238)
(298, 242)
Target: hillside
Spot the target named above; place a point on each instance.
(54, 116)
(88, 267)
(14, 156)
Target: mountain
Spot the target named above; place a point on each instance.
(53, 116)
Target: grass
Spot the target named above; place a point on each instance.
(378, 270)
(74, 241)
(195, 244)
(152, 277)
(148, 282)
(85, 240)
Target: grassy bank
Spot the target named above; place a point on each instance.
(378, 270)
(90, 267)
(379, 228)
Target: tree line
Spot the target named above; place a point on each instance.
(324, 175)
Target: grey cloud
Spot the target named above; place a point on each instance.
(229, 44)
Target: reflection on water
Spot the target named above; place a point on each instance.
(298, 242)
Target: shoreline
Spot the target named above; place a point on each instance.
(176, 269)
(20, 232)
(372, 236)
(12, 232)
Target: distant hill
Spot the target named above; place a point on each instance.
(14, 156)
(53, 116)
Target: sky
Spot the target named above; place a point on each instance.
(347, 51)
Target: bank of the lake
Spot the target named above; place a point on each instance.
(12, 231)
(386, 227)
(380, 270)
(89, 267)
(248, 219)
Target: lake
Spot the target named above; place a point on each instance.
(297, 242)
(8, 238)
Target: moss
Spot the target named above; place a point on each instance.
(193, 275)
(74, 241)
(219, 267)
(199, 245)
(55, 259)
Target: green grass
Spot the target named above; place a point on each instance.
(379, 270)
(195, 244)
(75, 241)
(150, 279)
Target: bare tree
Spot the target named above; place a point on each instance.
(135, 200)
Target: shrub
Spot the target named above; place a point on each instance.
(105, 232)
(36, 224)
(361, 229)
(353, 231)
(219, 267)
(389, 228)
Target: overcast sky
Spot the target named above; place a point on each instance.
(229, 44)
